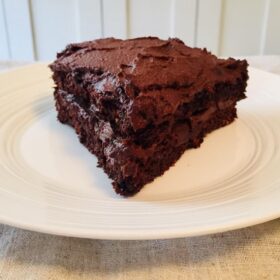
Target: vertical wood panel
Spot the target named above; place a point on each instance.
(183, 20)
(17, 14)
(58, 23)
(150, 18)
(89, 19)
(115, 18)
(209, 24)
(242, 27)
(54, 26)
(233, 27)
(4, 45)
(272, 29)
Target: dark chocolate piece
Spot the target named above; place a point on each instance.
(139, 104)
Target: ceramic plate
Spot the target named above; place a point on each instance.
(50, 183)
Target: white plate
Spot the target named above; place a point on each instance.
(49, 182)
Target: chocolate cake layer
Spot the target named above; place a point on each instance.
(127, 162)
(139, 104)
(151, 108)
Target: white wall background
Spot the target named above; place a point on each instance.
(37, 29)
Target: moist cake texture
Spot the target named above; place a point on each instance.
(138, 104)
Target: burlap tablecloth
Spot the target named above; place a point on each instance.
(251, 253)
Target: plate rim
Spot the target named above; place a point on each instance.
(140, 234)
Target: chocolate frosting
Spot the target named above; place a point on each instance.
(145, 63)
(139, 73)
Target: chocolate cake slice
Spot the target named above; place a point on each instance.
(139, 104)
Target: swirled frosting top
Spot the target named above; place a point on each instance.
(148, 63)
